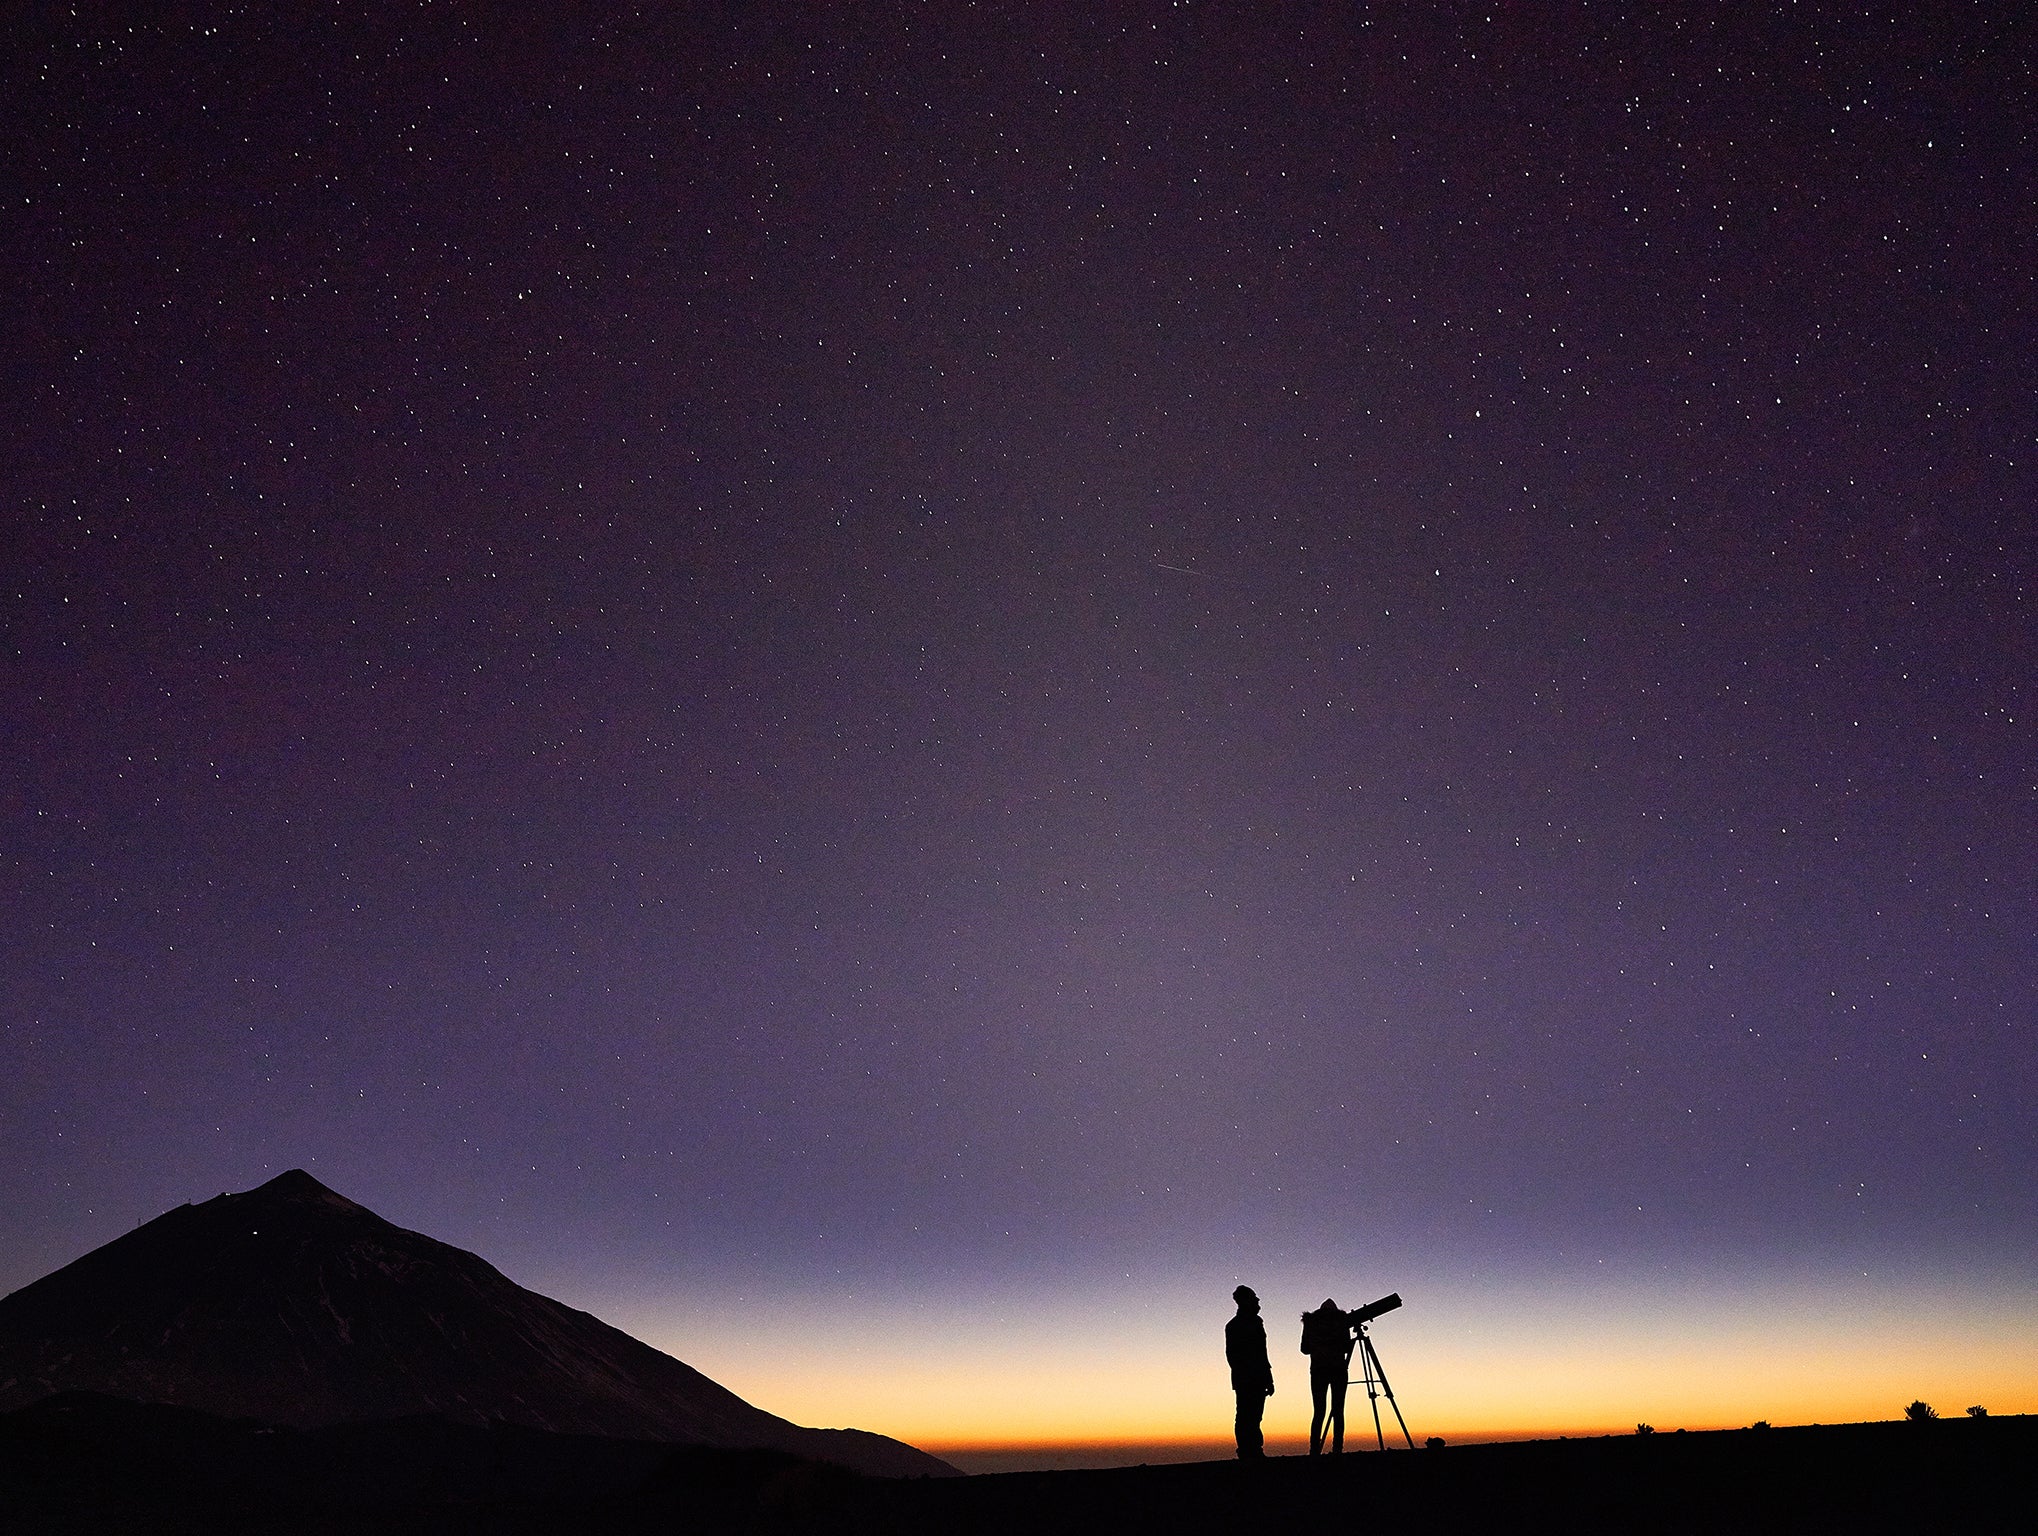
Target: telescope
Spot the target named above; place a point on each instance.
(1373, 1373)
(1360, 1316)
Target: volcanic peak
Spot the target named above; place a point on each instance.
(295, 1187)
(291, 1304)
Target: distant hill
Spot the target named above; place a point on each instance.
(293, 1305)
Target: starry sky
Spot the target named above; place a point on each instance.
(890, 690)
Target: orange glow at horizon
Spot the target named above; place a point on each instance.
(1098, 1372)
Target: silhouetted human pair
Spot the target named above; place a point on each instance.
(1327, 1339)
(1252, 1374)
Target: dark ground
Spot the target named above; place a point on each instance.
(95, 1465)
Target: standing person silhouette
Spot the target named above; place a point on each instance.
(1252, 1374)
(1327, 1341)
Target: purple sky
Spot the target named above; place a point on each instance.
(949, 644)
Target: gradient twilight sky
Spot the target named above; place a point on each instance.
(889, 690)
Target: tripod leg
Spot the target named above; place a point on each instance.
(1373, 1364)
(1367, 1362)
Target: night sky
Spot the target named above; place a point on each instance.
(889, 690)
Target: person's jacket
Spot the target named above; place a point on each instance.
(1245, 1351)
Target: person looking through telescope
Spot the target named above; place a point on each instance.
(1327, 1341)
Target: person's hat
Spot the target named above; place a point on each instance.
(1245, 1293)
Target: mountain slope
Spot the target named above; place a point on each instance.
(293, 1305)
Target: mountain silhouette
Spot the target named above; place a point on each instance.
(293, 1305)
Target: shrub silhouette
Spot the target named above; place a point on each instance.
(1977, 1412)
(1759, 1424)
(1436, 1442)
(1645, 1429)
(1921, 1412)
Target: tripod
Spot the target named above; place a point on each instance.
(1375, 1378)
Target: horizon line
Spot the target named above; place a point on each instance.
(1451, 1436)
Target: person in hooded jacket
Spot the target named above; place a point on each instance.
(1327, 1341)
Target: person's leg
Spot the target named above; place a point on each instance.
(1316, 1387)
(1337, 1417)
(1251, 1405)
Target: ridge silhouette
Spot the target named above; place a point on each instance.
(291, 1304)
